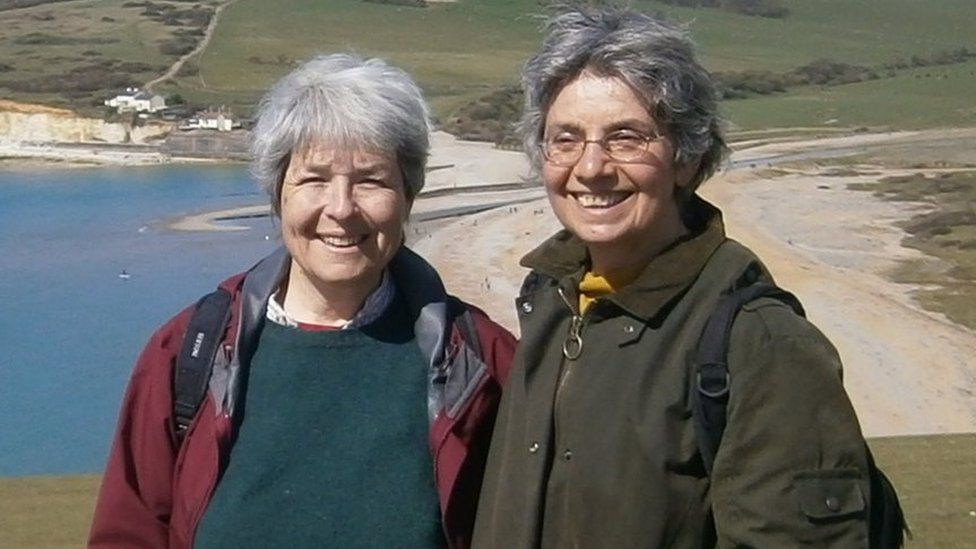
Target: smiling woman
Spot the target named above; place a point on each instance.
(343, 347)
(342, 218)
(596, 444)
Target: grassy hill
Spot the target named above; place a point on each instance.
(467, 50)
(932, 474)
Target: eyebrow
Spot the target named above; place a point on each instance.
(613, 126)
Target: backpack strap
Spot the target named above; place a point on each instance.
(710, 389)
(195, 361)
(709, 401)
(465, 324)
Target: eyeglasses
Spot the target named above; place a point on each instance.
(565, 149)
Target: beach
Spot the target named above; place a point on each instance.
(906, 368)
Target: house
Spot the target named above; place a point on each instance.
(220, 119)
(134, 99)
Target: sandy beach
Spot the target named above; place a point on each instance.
(906, 369)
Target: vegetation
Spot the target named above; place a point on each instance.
(913, 99)
(49, 512)
(15, 4)
(80, 53)
(828, 72)
(409, 3)
(933, 477)
(782, 71)
(929, 472)
(490, 118)
(761, 8)
(946, 230)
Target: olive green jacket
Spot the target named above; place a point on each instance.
(600, 451)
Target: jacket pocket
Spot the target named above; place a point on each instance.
(829, 495)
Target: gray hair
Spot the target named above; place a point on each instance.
(654, 57)
(343, 101)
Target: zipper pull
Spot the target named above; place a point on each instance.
(573, 344)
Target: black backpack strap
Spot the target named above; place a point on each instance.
(710, 387)
(195, 361)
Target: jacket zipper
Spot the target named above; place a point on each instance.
(572, 349)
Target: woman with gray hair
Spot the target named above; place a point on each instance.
(349, 398)
(603, 437)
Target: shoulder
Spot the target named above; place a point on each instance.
(773, 345)
(496, 344)
(164, 344)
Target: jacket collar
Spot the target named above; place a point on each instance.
(416, 282)
(666, 276)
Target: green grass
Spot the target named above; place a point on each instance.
(867, 32)
(919, 98)
(461, 51)
(456, 51)
(933, 476)
(934, 479)
(48, 512)
(94, 32)
(464, 50)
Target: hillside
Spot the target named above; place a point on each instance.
(469, 51)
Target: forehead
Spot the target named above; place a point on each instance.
(596, 101)
(341, 159)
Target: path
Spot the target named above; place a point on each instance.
(175, 68)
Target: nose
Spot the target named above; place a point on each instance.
(340, 202)
(593, 162)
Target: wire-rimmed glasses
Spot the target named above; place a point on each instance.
(565, 149)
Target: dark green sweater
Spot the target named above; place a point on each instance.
(332, 449)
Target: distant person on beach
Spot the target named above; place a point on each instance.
(595, 443)
(351, 398)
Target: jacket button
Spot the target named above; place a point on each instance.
(526, 307)
(833, 504)
(534, 447)
(568, 455)
(629, 329)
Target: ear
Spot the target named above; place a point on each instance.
(684, 174)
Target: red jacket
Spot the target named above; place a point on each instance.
(155, 490)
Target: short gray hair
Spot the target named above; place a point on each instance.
(343, 101)
(654, 57)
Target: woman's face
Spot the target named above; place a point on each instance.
(342, 215)
(625, 212)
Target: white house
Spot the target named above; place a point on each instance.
(134, 99)
(221, 120)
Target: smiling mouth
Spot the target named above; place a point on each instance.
(600, 200)
(343, 241)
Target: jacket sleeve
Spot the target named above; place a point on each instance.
(135, 498)
(792, 466)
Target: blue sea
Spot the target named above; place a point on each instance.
(71, 327)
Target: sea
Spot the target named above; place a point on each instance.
(88, 270)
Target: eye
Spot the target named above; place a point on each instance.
(372, 183)
(564, 141)
(310, 182)
(626, 136)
